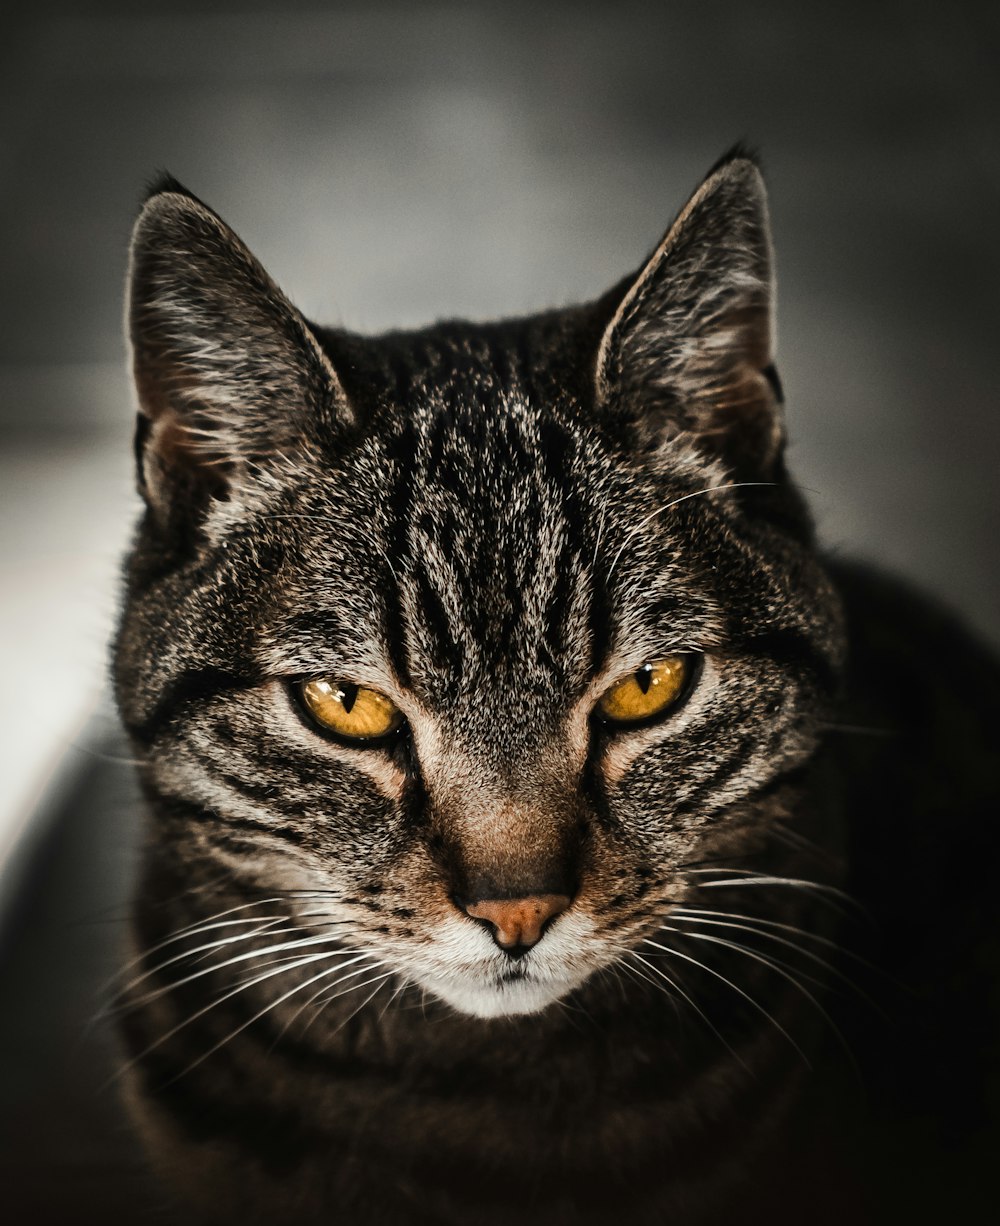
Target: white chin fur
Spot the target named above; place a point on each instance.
(500, 1000)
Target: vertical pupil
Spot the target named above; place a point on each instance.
(644, 678)
(348, 696)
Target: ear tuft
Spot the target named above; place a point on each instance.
(690, 348)
(164, 181)
(741, 151)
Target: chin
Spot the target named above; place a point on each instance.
(514, 997)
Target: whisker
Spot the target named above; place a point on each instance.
(711, 489)
(782, 969)
(380, 982)
(614, 974)
(749, 877)
(735, 987)
(783, 927)
(675, 986)
(306, 961)
(332, 995)
(129, 1005)
(796, 839)
(266, 925)
(197, 953)
(401, 987)
(206, 924)
(379, 979)
(103, 756)
(282, 960)
(857, 729)
(694, 917)
(645, 977)
(772, 957)
(274, 1005)
(600, 534)
(305, 1005)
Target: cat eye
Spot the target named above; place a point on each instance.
(648, 692)
(350, 711)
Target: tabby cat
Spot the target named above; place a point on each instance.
(539, 829)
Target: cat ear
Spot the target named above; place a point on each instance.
(690, 348)
(227, 371)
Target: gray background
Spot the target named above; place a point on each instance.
(391, 163)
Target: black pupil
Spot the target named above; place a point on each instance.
(644, 678)
(348, 697)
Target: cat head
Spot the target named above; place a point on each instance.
(473, 638)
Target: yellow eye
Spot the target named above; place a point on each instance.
(350, 711)
(649, 691)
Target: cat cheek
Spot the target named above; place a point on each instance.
(386, 776)
(618, 758)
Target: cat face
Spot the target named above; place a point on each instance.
(469, 642)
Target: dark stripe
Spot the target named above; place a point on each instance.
(556, 451)
(261, 793)
(183, 815)
(718, 779)
(796, 649)
(143, 425)
(289, 833)
(557, 608)
(401, 452)
(435, 618)
(599, 623)
(191, 686)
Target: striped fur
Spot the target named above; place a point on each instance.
(491, 524)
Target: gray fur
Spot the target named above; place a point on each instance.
(491, 524)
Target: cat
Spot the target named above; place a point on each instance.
(539, 826)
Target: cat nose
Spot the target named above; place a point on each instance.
(517, 923)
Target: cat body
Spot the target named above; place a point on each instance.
(514, 952)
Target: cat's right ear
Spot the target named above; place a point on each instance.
(227, 371)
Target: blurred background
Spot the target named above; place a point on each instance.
(395, 162)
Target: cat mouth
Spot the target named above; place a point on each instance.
(504, 992)
(512, 974)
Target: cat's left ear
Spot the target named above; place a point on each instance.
(690, 349)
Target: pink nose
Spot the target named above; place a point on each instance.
(518, 921)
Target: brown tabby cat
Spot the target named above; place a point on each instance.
(516, 769)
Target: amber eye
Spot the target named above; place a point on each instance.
(350, 711)
(648, 692)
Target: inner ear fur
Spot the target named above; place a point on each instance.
(690, 349)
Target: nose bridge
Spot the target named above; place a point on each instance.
(509, 838)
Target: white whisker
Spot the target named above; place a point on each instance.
(282, 946)
(274, 1005)
(779, 968)
(770, 923)
(199, 952)
(379, 981)
(202, 925)
(710, 489)
(207, 923)
(306, 961)
(676, 953)
(748, 877)
(675, 986)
